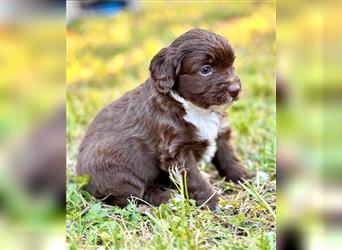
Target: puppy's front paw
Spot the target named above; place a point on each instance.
(213, 202)
(249, 175)
(237, 172)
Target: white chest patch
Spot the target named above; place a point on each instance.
(206, 121)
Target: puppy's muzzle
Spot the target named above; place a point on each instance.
(234, 89)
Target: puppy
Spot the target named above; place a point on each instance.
(176, 117)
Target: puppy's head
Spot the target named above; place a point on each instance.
(198, 66)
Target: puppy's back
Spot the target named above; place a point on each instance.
(116, 142)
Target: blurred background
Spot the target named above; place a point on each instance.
(32, 124)
(309, 143)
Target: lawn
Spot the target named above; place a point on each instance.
(107, 56)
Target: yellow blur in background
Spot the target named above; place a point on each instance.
(32, 128)
(309, 149)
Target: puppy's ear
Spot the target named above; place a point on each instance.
(162, 70)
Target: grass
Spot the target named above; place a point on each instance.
(108, 56)
(241, 223)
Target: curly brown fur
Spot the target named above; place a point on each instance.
(132, 143)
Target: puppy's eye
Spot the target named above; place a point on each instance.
(205, 70)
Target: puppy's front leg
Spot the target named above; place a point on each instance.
(199, 188)
(225, 160)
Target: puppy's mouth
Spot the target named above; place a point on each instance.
(221, 106)
(233, 98)
(230, 99)
(226, 95)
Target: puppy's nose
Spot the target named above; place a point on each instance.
(234, 89)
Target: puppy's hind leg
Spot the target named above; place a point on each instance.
(122, 200)
(225, 160)
(123, 191)
(156, 196)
